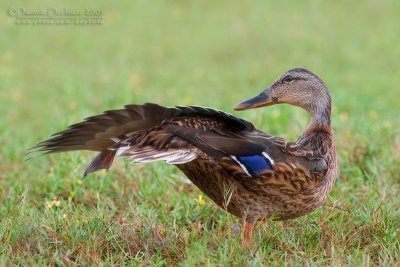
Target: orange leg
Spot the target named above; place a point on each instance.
(248, 233)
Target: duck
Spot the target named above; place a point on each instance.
(246, 172)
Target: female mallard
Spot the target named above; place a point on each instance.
(250, 174)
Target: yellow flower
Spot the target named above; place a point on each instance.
(49, 204)
(54, 203)
(202, 201)
(72, 194)
(104, 171)
(79, 182)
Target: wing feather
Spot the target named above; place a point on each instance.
(97, 133)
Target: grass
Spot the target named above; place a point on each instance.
(205, 53)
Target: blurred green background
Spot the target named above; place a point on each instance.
(205, 53)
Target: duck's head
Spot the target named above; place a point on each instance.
(298, 87)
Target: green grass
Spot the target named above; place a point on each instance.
(205, 53)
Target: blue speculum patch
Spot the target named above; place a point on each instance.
(255, 163)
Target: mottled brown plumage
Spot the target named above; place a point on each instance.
(250, 174)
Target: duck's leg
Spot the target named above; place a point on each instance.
(247, 233)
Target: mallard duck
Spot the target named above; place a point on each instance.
(246, 172)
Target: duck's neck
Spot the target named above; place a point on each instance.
(319, 135)
(320, 116)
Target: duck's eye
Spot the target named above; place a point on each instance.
(287, 79)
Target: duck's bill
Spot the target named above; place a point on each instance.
(261, 100)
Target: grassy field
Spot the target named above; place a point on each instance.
(205, 53)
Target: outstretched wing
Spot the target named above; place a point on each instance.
(105, 130)
(110, 132)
